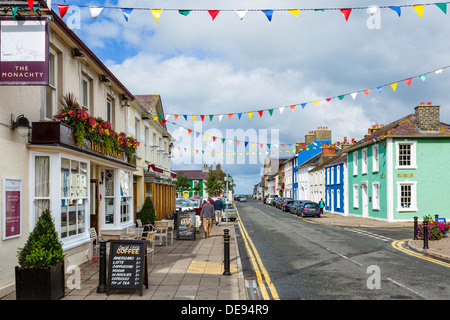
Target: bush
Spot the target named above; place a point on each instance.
(148, 214)
(43, 247)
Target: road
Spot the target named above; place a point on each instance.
(306, 260)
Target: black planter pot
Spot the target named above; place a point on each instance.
(40, 284)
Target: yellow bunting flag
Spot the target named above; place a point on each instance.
(394, 86)
(193, 117)
(156, 13)
(419, 9)
(316, 102)
(295, 12)
(250, 114)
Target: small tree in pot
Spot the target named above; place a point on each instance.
(40, 274)
(147, 213)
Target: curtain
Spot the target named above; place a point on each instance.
(41, 185)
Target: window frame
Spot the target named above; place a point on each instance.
(355, 163)
(413, 163)
(375, 158)
(376, 196)
(413, 204)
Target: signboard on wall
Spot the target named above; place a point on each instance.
(12, 208)
(24, 51)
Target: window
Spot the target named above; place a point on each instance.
(52, 88)
(406, 155)
(355, 163)
(110, 111)
(355, 196)
(364, 161)
(146, 138)
(41, 185)
(86, 93)
(74, 197)
(137, 127)
(338, 175)
(332, 175)
(407, 196)
(375, 196)
(375, 162)
(126, 195)
(154, 147)
(338, 200)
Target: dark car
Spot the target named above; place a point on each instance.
(275, 202)
(298, 209)
(287, 205)
(283, 202)
(310, 209)
(294, 205)
(279, 202)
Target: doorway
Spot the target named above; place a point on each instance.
(365, 199)
(94, 203)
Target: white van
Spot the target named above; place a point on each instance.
(270, 198)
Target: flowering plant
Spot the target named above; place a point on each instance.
(95, 129)
(435, 230)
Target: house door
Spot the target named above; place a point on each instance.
(94, 202)
(365, 200)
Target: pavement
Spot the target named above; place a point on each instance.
(184, 270)
(193, 269)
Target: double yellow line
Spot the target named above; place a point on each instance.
(398, 245)
(265, 284)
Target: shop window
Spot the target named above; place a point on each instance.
(109, 196)
(41, 199)
(74, 201)
(126, 196)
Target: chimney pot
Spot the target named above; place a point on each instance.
(429, 103)
(422, 103)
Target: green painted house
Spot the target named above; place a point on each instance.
(401, 170)
(196, 180)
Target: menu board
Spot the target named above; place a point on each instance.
(127, 265)
(186, 225)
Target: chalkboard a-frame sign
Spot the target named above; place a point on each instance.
(127, 265)
(186, 225)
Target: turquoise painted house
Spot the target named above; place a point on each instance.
(401, 170)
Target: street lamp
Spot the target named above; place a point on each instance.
(228, 178)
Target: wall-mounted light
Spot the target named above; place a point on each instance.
(105, 80)
(77, 54)
(22, 125)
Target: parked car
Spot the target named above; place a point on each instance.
(298, 208)
(231, 214)
(310, 209)
(271, 198)
(243, 199)
(287, 205)
(283, 202)
(294, 205)
(278, 201)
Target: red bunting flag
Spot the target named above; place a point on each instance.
(346, 13)
(62, 10)
(189, 131)
(30, 4)
(213, 13)
(366, 91)
(328, 99)
(163, 121)
(229, 116)
(214, 139)
(293, 107)
(260, 113)
(238, 142)
(408, 82)
(203, 117)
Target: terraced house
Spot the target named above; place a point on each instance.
(399, 171)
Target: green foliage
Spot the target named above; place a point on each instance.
(43, 247)
(148, 214)
(182, 182)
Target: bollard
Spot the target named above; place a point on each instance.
(415, 229)
(425, 235)
(436, 216)
(226, 253)
(102, 272)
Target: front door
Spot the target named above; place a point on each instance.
(365, 200)
(94, 202)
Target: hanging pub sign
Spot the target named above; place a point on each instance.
(24, 50)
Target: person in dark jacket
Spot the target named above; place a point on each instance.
(218, 208)
(207, 216)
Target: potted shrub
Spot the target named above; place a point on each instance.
(147, 213)
(40, 274)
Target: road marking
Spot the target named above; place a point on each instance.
(370, 234)
(398, 245)
(262, 275)
(345, 257)
(409, 289)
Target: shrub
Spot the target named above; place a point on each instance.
(148, 214)
(43, 247)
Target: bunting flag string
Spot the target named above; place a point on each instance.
(393, 85)
(156, 12)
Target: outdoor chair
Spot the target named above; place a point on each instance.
(162, 230)
(95, 244)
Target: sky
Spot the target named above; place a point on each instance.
(227, 65)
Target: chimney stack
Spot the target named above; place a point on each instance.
(427, 117)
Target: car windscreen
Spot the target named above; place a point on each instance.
(311, 205)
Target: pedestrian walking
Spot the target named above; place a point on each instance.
(218, 208)
(321, 206)
(207, 216)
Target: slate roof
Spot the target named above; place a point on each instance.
(193, 174)
(404, 127)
